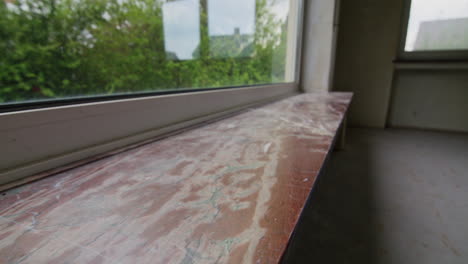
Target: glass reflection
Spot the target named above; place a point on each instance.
(181, 28)
(231, 28)
(70, 48)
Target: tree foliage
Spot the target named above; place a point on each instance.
(66, 48)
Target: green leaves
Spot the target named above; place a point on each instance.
(64, 48)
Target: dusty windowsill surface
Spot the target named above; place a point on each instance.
(228, 192)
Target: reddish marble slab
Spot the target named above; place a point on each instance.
(227, 192)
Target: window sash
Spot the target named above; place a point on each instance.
(42, 136)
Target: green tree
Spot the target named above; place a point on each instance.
(67, 48)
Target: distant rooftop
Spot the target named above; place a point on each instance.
(229, 46)
(450, 34)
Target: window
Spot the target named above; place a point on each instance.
(100, 74)
(436, 29)
(57, 49)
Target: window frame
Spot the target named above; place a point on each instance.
(28, 128)
(79, 100)
(74, 100)
(425, 56)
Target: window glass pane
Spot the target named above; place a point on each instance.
(231, 28)
(82, 48)
(437, 25)
(181, 29)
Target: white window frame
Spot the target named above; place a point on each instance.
(38, 140)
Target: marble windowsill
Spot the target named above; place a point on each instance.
(228, 192)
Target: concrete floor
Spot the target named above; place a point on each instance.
(392, 196)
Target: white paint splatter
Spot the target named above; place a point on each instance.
(266, 147)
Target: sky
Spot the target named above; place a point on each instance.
(181, 21)
(225, 15)
(430, 10)
(181, 27)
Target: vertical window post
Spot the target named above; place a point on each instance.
(204, 35)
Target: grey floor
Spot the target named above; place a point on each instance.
(392, 196)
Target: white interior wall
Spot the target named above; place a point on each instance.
(430, 99)
(318, 47)
(416, 95)
(367, 46)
